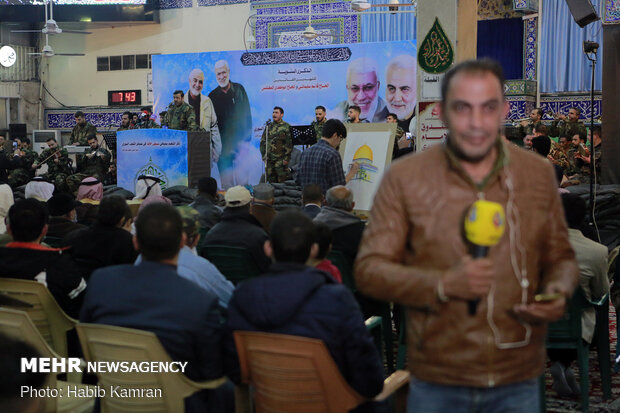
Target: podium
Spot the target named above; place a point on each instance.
(176, 157)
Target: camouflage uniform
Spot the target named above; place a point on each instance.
(529, 129)
(191, 220)
(318, 127)
(182, 117)
(57, 172)
(97, 167)
(122, 128)
(564, 128)
(80, 134)
(148, 124)
(400, 132)
(279, 150)
(23, 175)
(558, 157)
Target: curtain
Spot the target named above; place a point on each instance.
(502, 40)
(563, 66)
(388, 27)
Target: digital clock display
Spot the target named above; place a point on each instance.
(124, 97)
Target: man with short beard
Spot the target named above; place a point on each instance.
(232, 107)
(321, 164)
(526, 127)
(363, 91)
(319, 113)
(486, 356)
(125, 122)
(400, 90)
(567, 124)
(206, 117)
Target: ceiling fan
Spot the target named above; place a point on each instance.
(50, 26)
(49, 52)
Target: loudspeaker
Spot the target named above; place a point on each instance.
(17, 130)
(583, 12)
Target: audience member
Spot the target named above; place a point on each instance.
(262, 205)
(108, 242)
(239, 228)
(542, 145)
(312, 198)
(39, 189)
(353, 114)
(90, 193)
(196, 268)
(296, 299)
(6, 200)
(321, 164)
(324, 241)
(206, 204)
(146, 186)
(592, 259)
(13, 379)
(151, 296)
(347, 229)
(63, 217)
(25, 257)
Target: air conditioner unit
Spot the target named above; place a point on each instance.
(40, 138)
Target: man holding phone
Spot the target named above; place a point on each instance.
(413, 254)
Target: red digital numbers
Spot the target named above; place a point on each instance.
(117, 97)
(130, 96)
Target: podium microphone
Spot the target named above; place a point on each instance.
(484, 227)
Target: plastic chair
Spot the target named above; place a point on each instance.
(234, 262)
(291, 374)
(17, 324)
(382, 309)
(45, 313)
(566, 334)
(110, 343)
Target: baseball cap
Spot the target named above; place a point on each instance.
(237, 196)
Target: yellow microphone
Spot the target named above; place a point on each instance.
(484, 227)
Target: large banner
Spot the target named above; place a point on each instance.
(157, 152)
(245, 86)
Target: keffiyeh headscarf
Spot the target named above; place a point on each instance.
(90, 188)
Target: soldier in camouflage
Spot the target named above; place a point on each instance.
(21, 176)
(276, 146)
(180, 115)
(82, 130)
(319, 113)
(145, 121)
(567, 125)
(526, 127)
(400, 132)
(125, 122)
(94, 162)
(57, 161)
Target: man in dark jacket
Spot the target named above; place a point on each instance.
(108, 242)
(205, 204)
(63, 217)
(347, 229)
(25, 258)
(239, 228)
(151, 296)
(262, 205)
(296, 299)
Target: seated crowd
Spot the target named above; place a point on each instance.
(141, 263)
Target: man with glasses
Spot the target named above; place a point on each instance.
(362, 90)
(321, 164)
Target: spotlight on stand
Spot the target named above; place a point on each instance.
(590, 47)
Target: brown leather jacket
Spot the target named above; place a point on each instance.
(414, 237)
